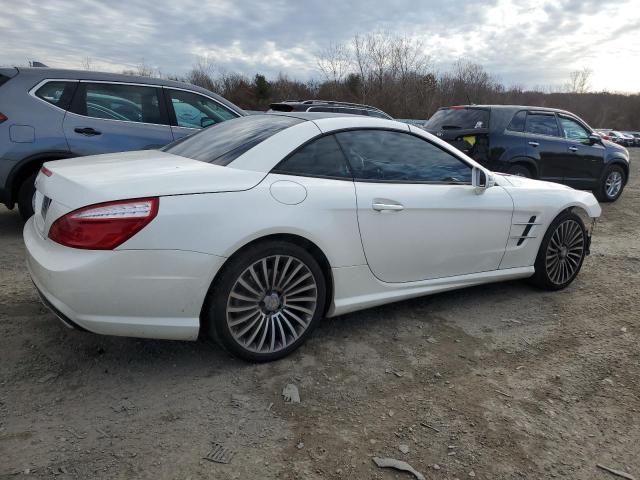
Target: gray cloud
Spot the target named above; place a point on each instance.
(529, 42)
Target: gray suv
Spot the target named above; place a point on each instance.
(49, 114)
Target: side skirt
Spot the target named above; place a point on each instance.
(356, 288)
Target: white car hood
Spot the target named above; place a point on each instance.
(517, 181)
(148, 173)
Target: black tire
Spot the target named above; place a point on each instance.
(25, 197)
(279, 322)
(565, 254)
(520, 170)
(604, 193)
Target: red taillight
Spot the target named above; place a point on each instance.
(46, 171)
(3, 117)
(104, 226)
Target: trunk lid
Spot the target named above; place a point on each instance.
(82, 181)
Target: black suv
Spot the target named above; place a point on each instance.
(327, 106)
(535, 142)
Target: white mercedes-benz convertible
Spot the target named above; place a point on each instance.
(254, 229)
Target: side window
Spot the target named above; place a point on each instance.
(319, 158)
(321, 109)
(542, 124)
(517, 122)
(572, 130)
(382, 155)
(196, 111)
(57, 93)
(114, 101)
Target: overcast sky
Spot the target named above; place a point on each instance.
(527, 42)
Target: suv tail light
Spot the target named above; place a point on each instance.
(3, 117)
(104, 226)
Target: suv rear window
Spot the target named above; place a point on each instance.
(222, 143)
(458, 119)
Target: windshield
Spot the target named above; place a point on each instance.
(458, 118)
(222, 143)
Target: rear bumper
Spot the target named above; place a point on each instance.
(136, 293)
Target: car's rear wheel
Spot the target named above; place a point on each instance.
(613, 182)
(520, 170)
(561, 253)
(266, 301)
(27, 196)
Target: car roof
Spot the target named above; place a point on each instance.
(513, 107)
(40, 73)
(310, 116)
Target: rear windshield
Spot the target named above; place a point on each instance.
(222, 143)
(458, 119)
(3, 78)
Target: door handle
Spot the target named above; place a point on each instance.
(87, 131)
(573, 148)
(379, 206)
(534, 144)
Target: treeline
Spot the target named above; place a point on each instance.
(393, 74)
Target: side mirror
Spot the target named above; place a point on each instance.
(206, 122)
(482, 180)
(593, 138)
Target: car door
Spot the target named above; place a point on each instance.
(190, 112)
(419, 215)
(583, 161)
(107, 117)
(544, 145)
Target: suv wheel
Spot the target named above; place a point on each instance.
(27, 197)
(266, 302)
(612, 184)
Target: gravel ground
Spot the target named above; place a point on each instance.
(494, 382)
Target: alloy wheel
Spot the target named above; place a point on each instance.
(613, 184)
(272, 303)
(565, 252)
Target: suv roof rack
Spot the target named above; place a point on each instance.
(331, 102)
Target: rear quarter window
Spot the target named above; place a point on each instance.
(517, 122)
(222, 143)
(58, 93)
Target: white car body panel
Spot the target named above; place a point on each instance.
(155, 284)
(115, 176)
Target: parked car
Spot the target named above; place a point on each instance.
(635, 137)
(48, 114)
(604, 133)
(327, 106)
(254, 229)
(535, 142)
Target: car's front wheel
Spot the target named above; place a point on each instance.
(266, 301)
(561, 253)
(613, 182)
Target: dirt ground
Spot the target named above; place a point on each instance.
(494, 382)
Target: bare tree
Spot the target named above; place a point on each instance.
(87, 63)
(579, 81)
(333, 62)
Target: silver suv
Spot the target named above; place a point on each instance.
(49, 114)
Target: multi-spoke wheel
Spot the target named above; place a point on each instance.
(561, 253)
(267, 301)
(613, 182)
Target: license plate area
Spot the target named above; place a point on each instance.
(46, 202)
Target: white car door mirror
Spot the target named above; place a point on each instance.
(482, 180)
